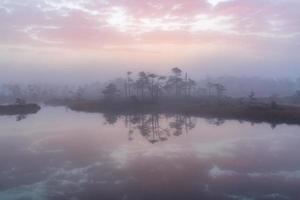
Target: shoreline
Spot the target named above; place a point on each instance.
(19, 109)
(281, 114)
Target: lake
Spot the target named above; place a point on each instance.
(61, 154)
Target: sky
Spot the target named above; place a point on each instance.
(76, 40)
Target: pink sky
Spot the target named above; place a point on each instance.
(226, 36)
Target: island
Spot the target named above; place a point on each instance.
(19, 108)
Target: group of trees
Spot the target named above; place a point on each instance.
(145, 86)
(179, 85)
(153, 86)
(217, 87)
(39, 93)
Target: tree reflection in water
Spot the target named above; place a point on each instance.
(215, 121)
(20, 117)
(154, 127)
(110, 118)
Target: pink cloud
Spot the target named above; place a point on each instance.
(94, 24)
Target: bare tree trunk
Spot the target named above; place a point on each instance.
(186, 85)
(125, 90)
(129, 93)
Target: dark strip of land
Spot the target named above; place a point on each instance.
(270, 113)
(19, 109)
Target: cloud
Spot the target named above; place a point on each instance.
(259, 28)
(134, 18)
(214, 3)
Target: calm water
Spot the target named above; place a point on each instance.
(61, 154)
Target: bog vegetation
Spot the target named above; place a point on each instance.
(145, 92)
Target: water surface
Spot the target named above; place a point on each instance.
(61, 154)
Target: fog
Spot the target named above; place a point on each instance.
(73, 85)
(149, 99)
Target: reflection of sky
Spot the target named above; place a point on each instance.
(58, 153)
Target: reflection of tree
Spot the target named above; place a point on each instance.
(215, 121)
(130, 134)
(20, 117)
(182, 123)
(153, 128)
(148, 126)
(110, 118)
(156, 132)
(190, 123)
(273, 125)
(177, 125)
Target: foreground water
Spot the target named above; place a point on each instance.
(62, 154)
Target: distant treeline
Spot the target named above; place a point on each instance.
(146, 85)
(153, 86)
